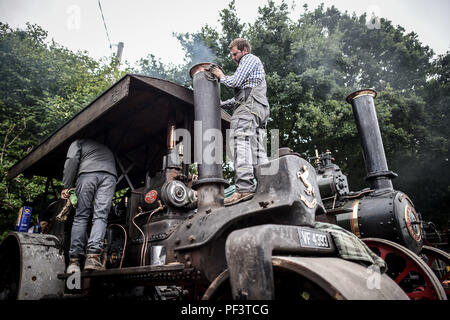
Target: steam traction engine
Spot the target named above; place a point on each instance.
(172, 238)
(384, 218)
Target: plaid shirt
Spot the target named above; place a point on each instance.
(350, 247)
(249, 73)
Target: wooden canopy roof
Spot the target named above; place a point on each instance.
(131, 117)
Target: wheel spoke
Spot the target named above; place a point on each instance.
(430, 260)
(405, 272)
(422, 293)
(383, 253)
(443, 261)
(405, 263)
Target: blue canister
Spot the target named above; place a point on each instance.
(37, 227)
(23, 221)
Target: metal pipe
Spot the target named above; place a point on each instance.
(173, 159)
(171, 134)
(210, 184)
(378, 174)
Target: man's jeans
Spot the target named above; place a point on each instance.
(247, 125)
(94, 191)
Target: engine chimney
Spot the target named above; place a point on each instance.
(210, 184)
(378, 174)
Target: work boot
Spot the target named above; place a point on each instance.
(238, 197)
(74, 265)
(93, 262)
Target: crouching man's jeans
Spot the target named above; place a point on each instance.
(94, 191)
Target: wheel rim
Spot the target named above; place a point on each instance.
(439, 261)
(408, 270)
(220, 288)
(326, 278)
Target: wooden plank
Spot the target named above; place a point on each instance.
(170, 88)
(177, 91)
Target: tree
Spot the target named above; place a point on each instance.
(42, 85)
(313, 62)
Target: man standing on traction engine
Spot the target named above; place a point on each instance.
(251, 112)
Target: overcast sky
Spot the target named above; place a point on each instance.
(146, 26)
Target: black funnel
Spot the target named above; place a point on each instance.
(210, 184)
(378, 174)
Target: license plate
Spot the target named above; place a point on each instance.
(313, 239)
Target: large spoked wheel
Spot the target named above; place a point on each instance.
(439, 261)
(408, 270)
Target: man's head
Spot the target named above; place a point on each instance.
(238, 48)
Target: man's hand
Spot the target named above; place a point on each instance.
(65, 194)
(217, 72)
(44, 227)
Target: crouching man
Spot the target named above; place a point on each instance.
(91, 168)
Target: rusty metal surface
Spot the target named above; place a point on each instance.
(216, 284)
(40, 262)
(249, 257)
(129, 271)
(170, 274)
(210, 183)
(202, 66)
(342, 279)
(198, 68)
(360, 93)
(277, 200)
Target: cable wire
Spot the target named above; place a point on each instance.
(124, 244)
(104, 23)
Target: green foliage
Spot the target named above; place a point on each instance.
(42, 85)
(153, 67)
